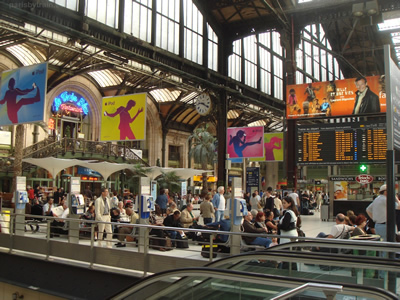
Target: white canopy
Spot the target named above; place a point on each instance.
(54, 165)
(106, 168)
(183, 173)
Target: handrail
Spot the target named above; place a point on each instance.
(259, 279)
(348, 261)
(302, 241)
(330, 289)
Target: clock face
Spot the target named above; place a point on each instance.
(203, 104)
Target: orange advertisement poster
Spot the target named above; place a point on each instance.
(336, 98)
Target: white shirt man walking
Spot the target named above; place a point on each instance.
(102, 210)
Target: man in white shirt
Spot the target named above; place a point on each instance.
(296, 199)
(102, 209)
(219, 203)
(338, 231)
(377, 212)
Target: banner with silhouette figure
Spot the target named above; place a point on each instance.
(23, 94)
(124, 118)
(244, 142)
(273, 147)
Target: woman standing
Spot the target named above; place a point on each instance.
(289, 221)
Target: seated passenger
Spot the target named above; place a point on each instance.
(173, 220)
(339, 231)
(249, 227)
(260, 220)
(187, 218)
(47, 208)
(270, 223)
(59, 226)
(222, 225)
(361, 222)
(157, 219)
(124, 231)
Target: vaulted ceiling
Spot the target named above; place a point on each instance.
(117, 64)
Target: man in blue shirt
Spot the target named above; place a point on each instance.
(162, 201)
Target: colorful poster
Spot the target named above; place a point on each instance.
(273, 147)
(340, 190)
(23, 94)
(336, 98)
(245, 142)
(124, 118)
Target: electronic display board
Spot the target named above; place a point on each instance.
(344, 143)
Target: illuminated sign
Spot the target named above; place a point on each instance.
(79, 104)
(51, 124)
(71, 108)
(345, 143)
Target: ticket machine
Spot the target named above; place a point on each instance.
(21, 199)
(146, 206)
(239, 209)
(76, 204)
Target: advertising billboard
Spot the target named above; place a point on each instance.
(23, 94)
(273, 147)
(124, 118)
(336, 98)
(244, 142)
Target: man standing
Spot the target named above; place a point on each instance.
(296, 199)
(162, 201)
(366, 100)
(269, 201)
(207, 209)
(219, 203)
(102, 209)
(377, 212)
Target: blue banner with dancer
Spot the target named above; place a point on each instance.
(23, 94)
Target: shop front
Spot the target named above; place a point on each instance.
(355, 192)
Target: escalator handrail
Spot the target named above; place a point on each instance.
(332, 288)
(315, 258)
(262, 279)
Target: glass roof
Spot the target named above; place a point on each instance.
(165, 95)
(24, 55)
(392, 25)
(105, 78)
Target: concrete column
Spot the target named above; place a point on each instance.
(271, 174)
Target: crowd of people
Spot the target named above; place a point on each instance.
(269, 212)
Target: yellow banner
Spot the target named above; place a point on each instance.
(273, 147)
(123, 118)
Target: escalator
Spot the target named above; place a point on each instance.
(277, 274)
(210, 283)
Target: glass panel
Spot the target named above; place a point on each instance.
(91, 9)
(212, 49)
(265, 82)
(278, 88)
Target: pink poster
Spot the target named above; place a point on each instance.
(245, 142)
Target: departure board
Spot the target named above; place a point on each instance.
(344, 143)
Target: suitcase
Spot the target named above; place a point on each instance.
(182, 244)
(325, 212)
